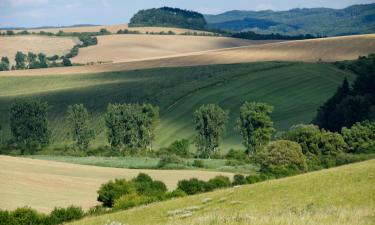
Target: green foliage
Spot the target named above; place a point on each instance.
(180, 148)
(67, 62)
(239, 179)
(61, 215)
(27, 215)
(282, 158)
(132, 200)
(32, 60)
(29, 124)
(131, 125)
(104, 31)
(193, 186)
(10, 32)
(360, 137)
(210, 123)
(168, 17)
(113, 190)
(198, 163)
(219, 182)
(170, 159)
(147, 187)
(350, 105)
(20, 61)
(255, 36)
(4, 64)
(175, 194)
(78, 121)
(42, 60)
(319, 146)
(238, 155)
(255, 125)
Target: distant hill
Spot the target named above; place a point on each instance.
(47, 27)
(168, 17)
(357, 19)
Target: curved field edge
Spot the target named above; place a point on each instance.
(44, 185)
(323, 49)
(296, 90)
(342, 195)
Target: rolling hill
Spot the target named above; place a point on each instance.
(325, 49)
(295, 89)
(9, 45)
(356, 19)
(339, 196)
(44, 185)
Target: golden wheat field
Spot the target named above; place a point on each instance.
(44, 185)
(115, 28)
(122, 48)
(325, 49)
(35, 43)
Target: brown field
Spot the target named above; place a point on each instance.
(122, 48)
(44, 185)
(36, 44)
(325, 49)
(115, 28)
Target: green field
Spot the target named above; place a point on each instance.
(339, 196)
(296, 90)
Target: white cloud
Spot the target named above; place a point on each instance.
(263, 6)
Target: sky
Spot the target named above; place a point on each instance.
(34, 13)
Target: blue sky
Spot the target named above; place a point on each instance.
(31, 13)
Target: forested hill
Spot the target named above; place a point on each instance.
(356, 19)
(168, 17)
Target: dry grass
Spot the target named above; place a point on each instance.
(9, 45)
(326, 49)
(122, 48)
(338, 196)
(45, 184)
(115, 28)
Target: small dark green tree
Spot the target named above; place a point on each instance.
(78, 120)
(42, 60)
(20, 61)
(360, 137)
(255, 125)
(67, 62)
(32, 60)
(210, 123)
(4, 64)
(29, 124)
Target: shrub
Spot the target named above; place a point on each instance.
(219, 182)
(360, 137)
(198, 163)
(148, 187)
(178, 193)
(26, 215)
(236, 155)
(61, 215)
(252, 179)
(170, 159)
(67, 62)
(282, 158)
(113, 190)
(132, 200)
(239, 179)
(192, 186)
(180, 148)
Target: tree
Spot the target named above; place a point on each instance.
(210, 123)
(4, 64)
(67, 62)
(113, 190)
(282, 158)
(32, 60)
(78, 120)
(20, 61)
(360, 137)
(255, 125)
(42, 60)
(29, 124)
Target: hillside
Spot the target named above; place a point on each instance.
(357, 19)
(339, 196)
(168, 17)
(122, 48)
(326, 49)
(295, 89)
(44, 185)
(34, 43)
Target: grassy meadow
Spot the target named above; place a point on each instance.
(338, 196)
(296, 90)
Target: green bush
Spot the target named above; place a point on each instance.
(178, 193)
(198, 163)
(113, 190)
(219, 182)
(360, 137)
(170, 159)
(180, 148)
(27, 215)
(132, 200)
(252, 179)
(61, 215)
(239, 179)
(237, 155)
(193, 186)
(282, 158)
